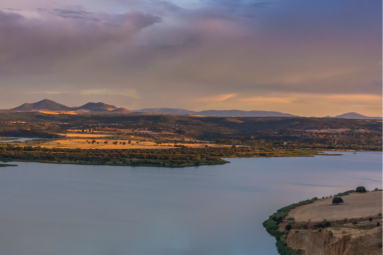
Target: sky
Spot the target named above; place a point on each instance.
(304, 57)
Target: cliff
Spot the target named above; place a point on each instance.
(339, 235)
(315, 242)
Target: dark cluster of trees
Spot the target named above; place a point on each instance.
(10, 152)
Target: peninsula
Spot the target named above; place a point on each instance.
(348, 223)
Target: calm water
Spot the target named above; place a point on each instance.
(19, 139)
(51, 209)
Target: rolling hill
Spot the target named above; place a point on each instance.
(96, 107)
(45, 104)
(52, 106)
(217, 113)
(354, 115)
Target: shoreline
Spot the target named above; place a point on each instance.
(159, 163)
(192, 164)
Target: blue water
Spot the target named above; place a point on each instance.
(49, 209)
(18, 139)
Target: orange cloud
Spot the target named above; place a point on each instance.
(217, 98)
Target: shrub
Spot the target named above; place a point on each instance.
(376, 189)
(327, 224)
(290, 219)
(370, 219)
(354, 223)
(361, 189)
(346, 193)
(337, 200)
(320, 225)
(288, 227)
(344, 232)
(378, 224)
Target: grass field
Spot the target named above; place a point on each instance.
(356, 205)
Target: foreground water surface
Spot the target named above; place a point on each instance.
(52, 209)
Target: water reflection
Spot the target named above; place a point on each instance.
(73, 209)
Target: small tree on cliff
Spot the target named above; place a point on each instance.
(361, 189)
(337, 200)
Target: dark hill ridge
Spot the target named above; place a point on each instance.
(238, 113)
(49, 105)
(121, 110)
(218, 113)
(45, 104)
(96, 107)
(354, 115)
(166, 110)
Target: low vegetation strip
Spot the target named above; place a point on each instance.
(182, 156)
(5, 165)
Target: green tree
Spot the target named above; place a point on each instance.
(337, 200)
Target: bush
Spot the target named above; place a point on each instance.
(378, 224)
(376, 189)
(337, 200)
(361, 189)
(354, 223)
(370, 219)
(288, 227)
(327, 224)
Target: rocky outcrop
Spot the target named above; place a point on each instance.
(316, 242)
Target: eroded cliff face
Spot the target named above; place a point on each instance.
(315, 242)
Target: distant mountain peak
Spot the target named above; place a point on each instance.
(355, 115)
(166, 110)
(49, 105)
(45, 104)
(217, 113)
(98, 107)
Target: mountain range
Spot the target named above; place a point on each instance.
(47, 105)
(218, 113)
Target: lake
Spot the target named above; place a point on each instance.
(53, 209)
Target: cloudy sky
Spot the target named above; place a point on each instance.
(305, 57)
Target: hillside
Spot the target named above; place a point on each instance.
(350, 228)
(45, 104)
(166, 111)
(238, 113)
(51, 106)
(96, 107)
(217, 113)
(354, 115)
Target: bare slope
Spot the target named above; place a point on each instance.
(45, 104)
(355, 205)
